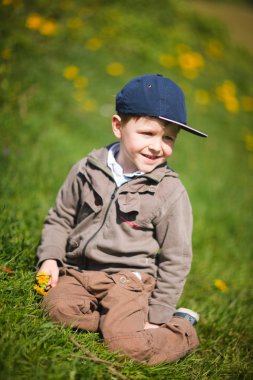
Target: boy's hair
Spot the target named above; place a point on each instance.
(125, 118)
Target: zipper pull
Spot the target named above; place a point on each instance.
(113, 194)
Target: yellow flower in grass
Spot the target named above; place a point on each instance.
(221, 285)
(34, 21)
(226, 93)
(71, 72)
(93, 43)
(190, 63)
(48, 28)
(115, 69)
(231, 104)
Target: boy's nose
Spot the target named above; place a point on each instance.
(155, 145)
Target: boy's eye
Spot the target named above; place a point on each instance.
(168, 138)
(147, 133)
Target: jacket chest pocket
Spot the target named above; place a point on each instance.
(136, 209)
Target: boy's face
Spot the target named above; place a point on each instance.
(144, 143)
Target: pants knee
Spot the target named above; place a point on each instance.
(135, 346)
(71, 315)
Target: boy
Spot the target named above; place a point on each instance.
(117, 208)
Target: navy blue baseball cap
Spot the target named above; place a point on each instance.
(155, 95)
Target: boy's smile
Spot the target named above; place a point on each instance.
(145, 143)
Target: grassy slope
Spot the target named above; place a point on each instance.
(46, 127)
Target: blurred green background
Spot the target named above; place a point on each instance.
(61, 65)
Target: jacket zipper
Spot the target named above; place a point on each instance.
(102, 225)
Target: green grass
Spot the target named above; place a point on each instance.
(44, 130)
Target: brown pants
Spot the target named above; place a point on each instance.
(117, 305)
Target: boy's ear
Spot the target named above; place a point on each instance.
(116, 126)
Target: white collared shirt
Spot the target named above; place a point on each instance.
(116, 169)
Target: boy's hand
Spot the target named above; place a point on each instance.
(51, 268)
(150, 326)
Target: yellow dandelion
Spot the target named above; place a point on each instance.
(93, 43)
(71, 72)
(42, 279)
(226, 90)
(7, 2)
(6, 54)
(167, 60)
(247, 103)
(215, 49)
(81, 82)
(48, 28)
(39, 290)
(115, 69)
(34, 21)
(231, 104)
(248, 139)
(202, 97)
(190, 61)
(221, 285)
(89, 105)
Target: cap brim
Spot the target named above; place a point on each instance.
(185, 127)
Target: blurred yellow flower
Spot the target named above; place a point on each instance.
(89, 105)
(81, 82)
(74, 23)
(93, 43)
(6, 2)
(226, 90)
(247, 103)
(248, 139)
(167, 60)
(115, 69)
(221, 285)
(48, 28)
(34, 21)
(226, 93)
(231, 104)
(6, 54)
(202, 97)
(71, 72)
(215, 49)
(190, 62)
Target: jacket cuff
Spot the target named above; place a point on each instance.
(51, 253)
(159, 314)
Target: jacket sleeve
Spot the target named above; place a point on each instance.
(60, 220)
(174, 235)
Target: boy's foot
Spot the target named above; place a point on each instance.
(188, 314)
